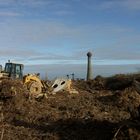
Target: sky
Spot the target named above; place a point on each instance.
(57, 34)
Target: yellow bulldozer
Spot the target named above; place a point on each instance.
(14, 72)
(36, 87)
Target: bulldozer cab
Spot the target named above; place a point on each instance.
(14, 70)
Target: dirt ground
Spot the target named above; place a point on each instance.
(104, 109)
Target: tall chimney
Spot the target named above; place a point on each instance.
(89, 67)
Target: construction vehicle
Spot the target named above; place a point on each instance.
(12, 71)
(32, 82)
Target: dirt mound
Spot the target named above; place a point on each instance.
(10, 88)
(95, 113)
(117, 82)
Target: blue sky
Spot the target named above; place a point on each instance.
(53, 32)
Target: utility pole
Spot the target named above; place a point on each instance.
(73, 76)
(68, 76)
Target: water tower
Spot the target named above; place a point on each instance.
(89, 67)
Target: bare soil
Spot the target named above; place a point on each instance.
(104, 109)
